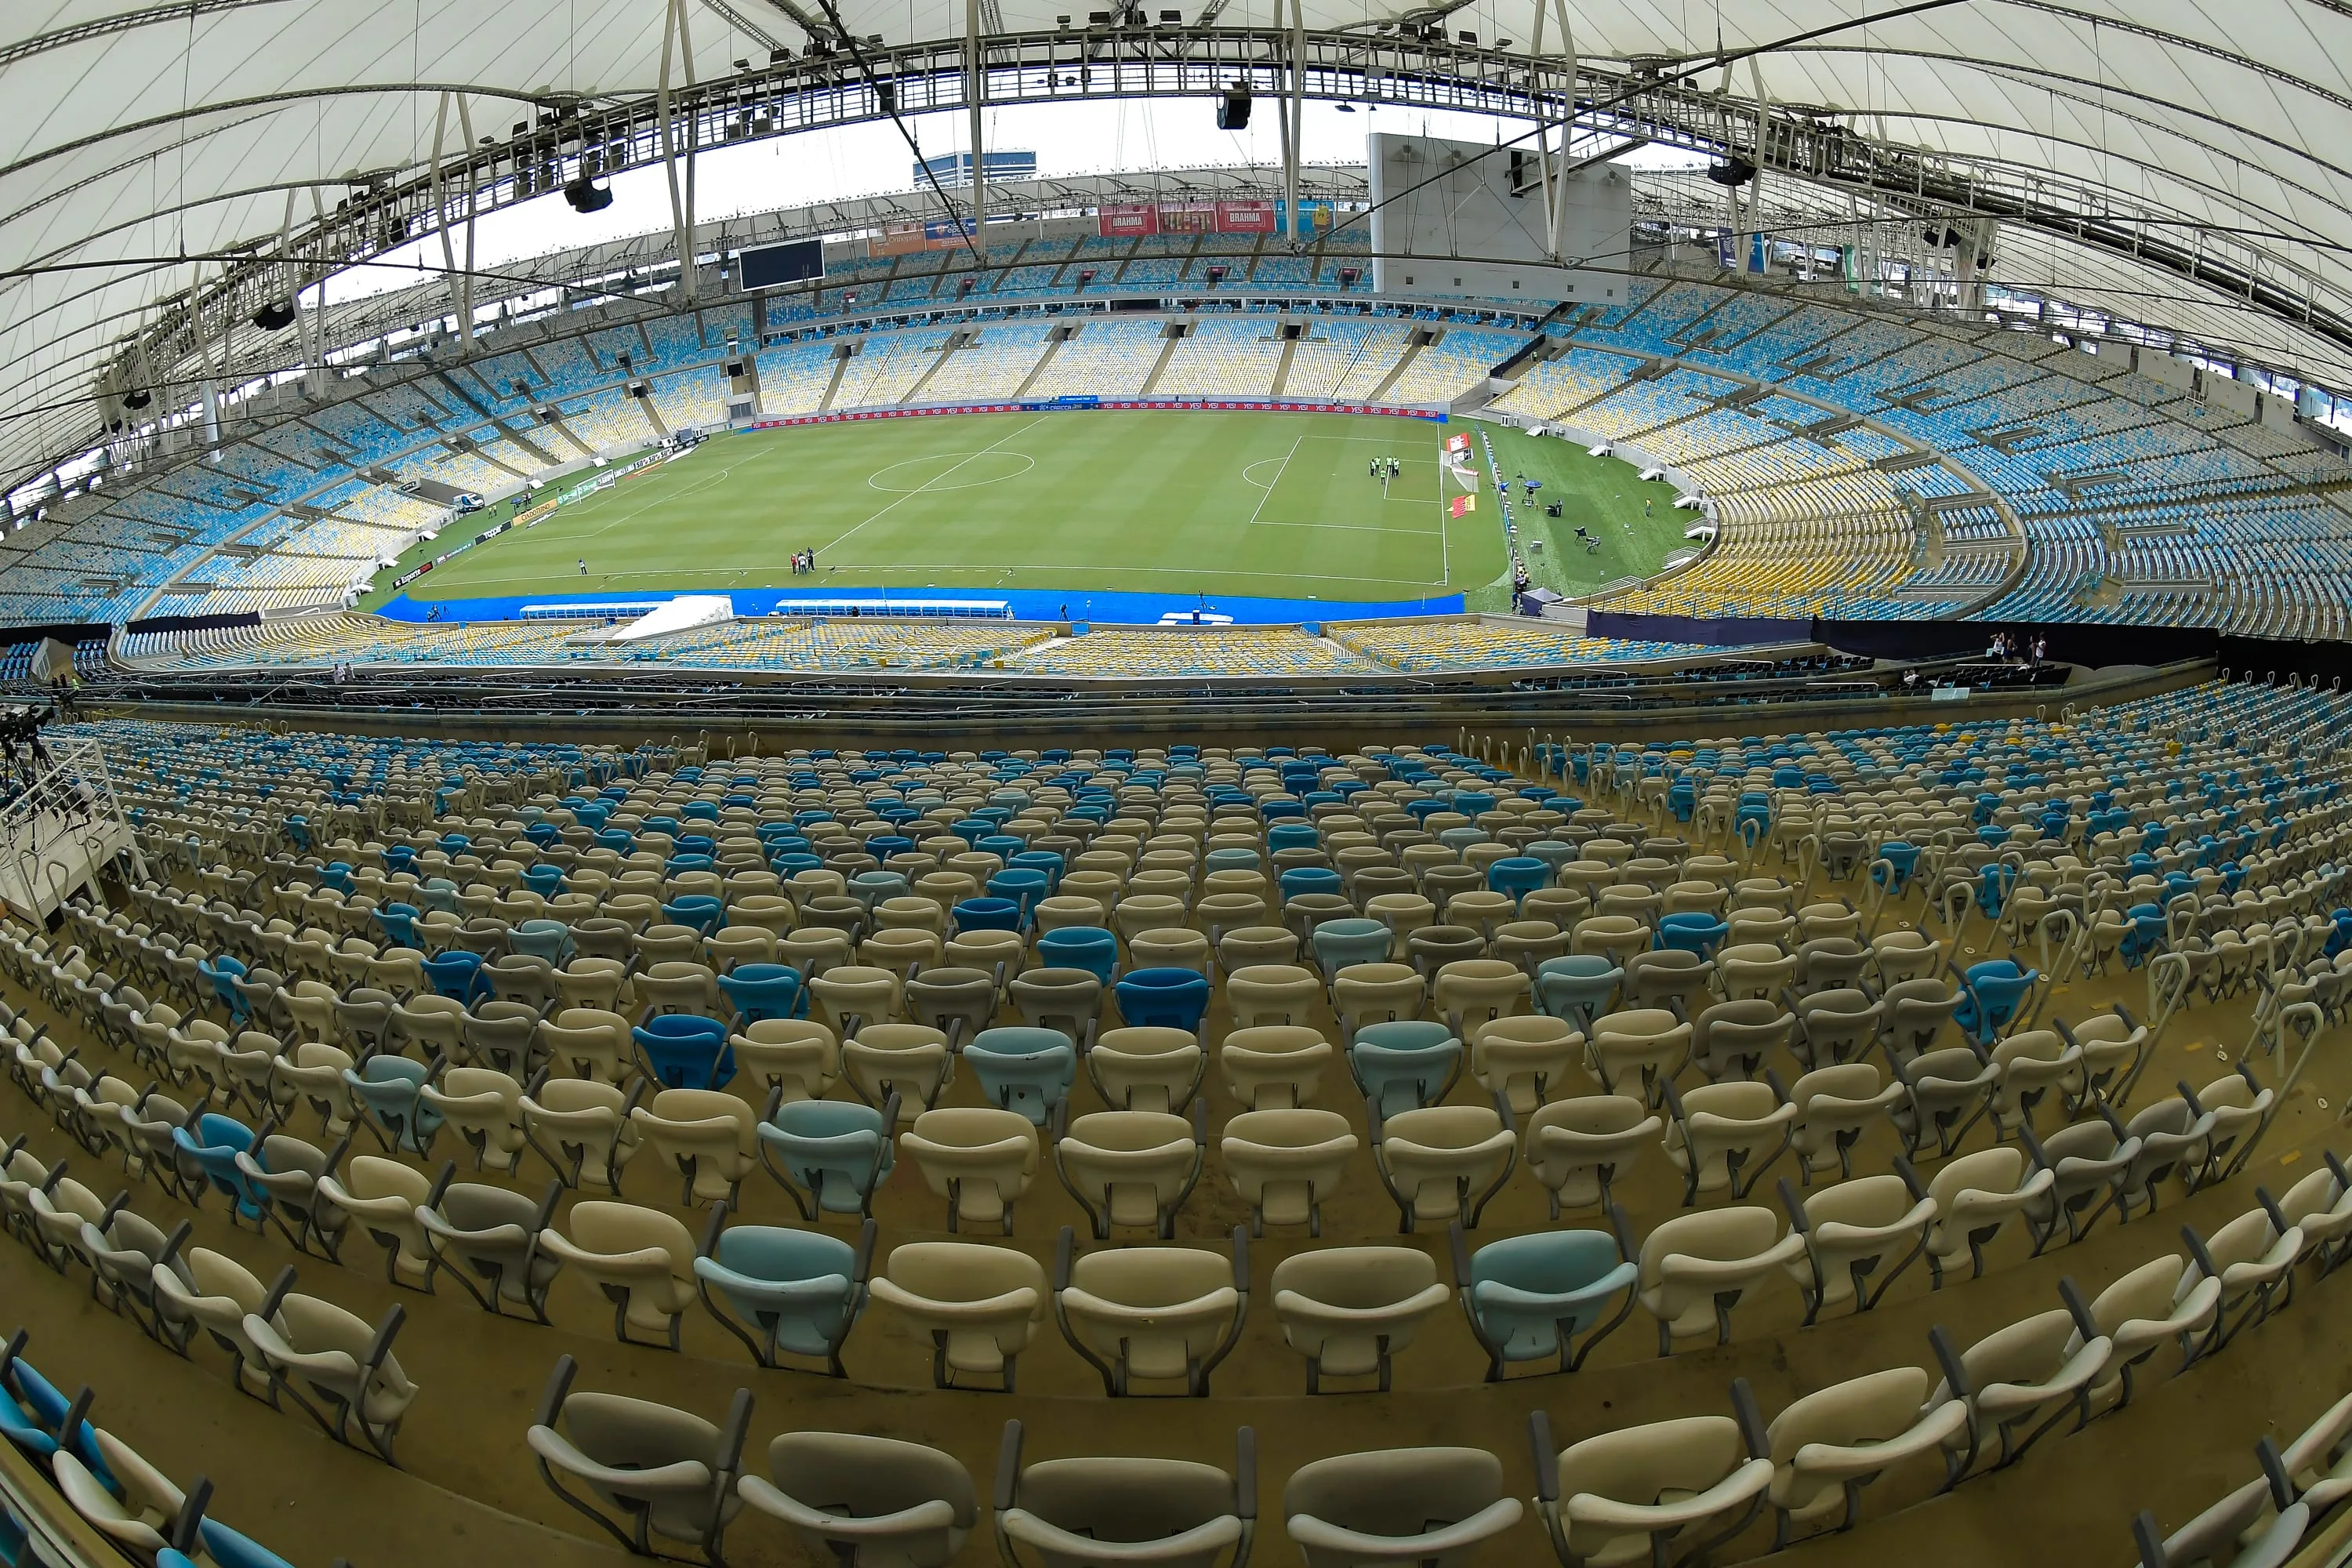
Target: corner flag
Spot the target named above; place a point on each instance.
(1461, 504)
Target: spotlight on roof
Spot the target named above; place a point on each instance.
(139, 397)
(586, 196)
(1734, 171)
(276, 316)
(1233, 113)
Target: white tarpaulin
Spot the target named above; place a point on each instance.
(686, 611)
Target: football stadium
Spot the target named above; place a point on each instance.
(1447, 785)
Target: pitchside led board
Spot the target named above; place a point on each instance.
(1464, 217)
(772, 265)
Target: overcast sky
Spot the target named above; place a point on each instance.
(1091, 138)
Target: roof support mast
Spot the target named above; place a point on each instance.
(678, 41)
(1293, 118)
(1555, 180)
(460, 281)
(975, 82)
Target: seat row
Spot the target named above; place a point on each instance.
(127, 1501)
(1668, 1490)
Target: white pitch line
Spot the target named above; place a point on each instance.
(925, 487)
(1444, 534)
(1277, 479)
(1089, 568)
(1352, 527)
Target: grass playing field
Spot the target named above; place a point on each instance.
(1179, 502)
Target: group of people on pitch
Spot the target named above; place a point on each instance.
(803, 562)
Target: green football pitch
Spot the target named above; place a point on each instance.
(1179, 502)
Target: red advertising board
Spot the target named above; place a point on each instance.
(1246, 218)
(1128, 222)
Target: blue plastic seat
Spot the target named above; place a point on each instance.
(389, 1090)
(684, 1051)
(1553, 852)
(222, 969)
(701, 913)
(440, 893)
(1021, 885)
(1576, 987)
(1292, 835)
(1517, 875)
(1460, 839)
(1892, 870)
(987, 914)
(458, 974)
(212, 1149)
(1026, 1069)
(32, 1416)
(1090, 948)
(1993, 884)
(1044, 862)
(1991, 994)
(1691, 930)
(796, 1292)
(1530, 1297)
(1343, 943)
(1173, 998)
(2340, 934)
(870, 887)
(550, 939)
(2146, 938)
(827, 1154)
(1232, 859)
(758, 991)
(1404, 1063)
(337, 875)
(546, 881)
(223, 1548)
(1308, 879)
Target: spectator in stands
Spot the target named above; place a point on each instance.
(2041, 650)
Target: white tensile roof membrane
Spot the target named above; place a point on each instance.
(138, 134)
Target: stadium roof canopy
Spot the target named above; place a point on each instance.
(2186, 160)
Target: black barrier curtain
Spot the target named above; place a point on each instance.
(1730, 631)
(2262, 659)
(192, 623)
(66, 632)
(2069, 642)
